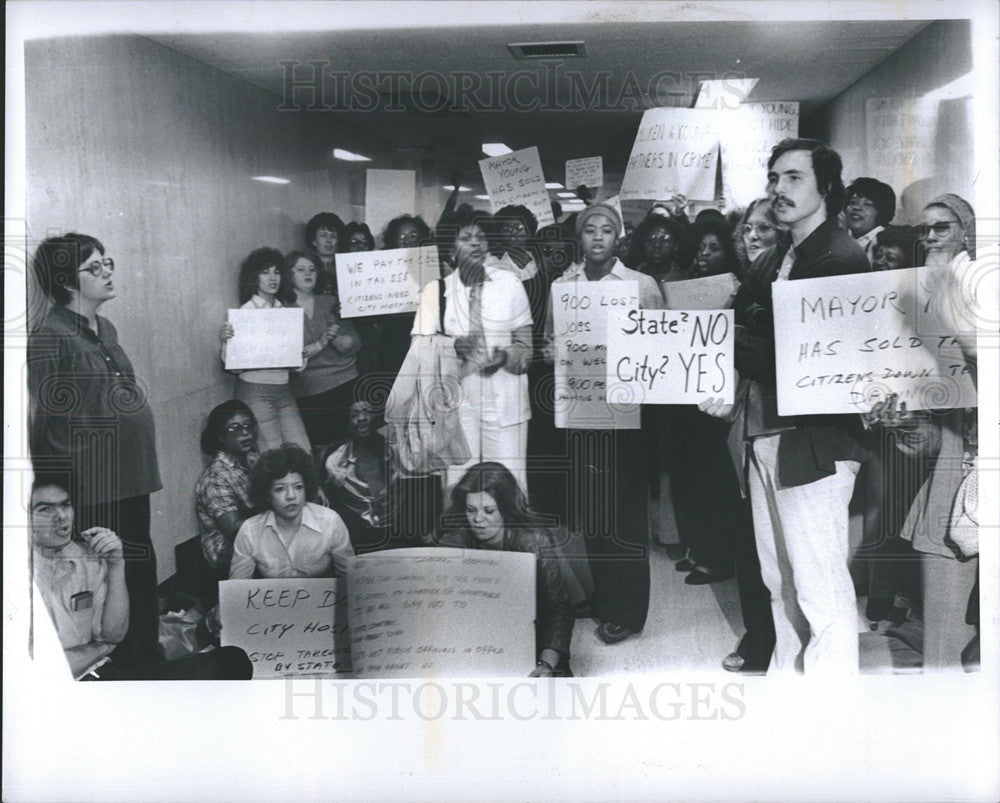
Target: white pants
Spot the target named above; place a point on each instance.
(489, 441)
(802, 540)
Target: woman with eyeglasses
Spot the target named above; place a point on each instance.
(662, 247)
(757, 231)
(324, 388)
(359, 237)
(222, 494)
(89, 417)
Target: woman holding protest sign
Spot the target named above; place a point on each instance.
(608, 467)
(266, 390)
(324, 388)
(489, 510)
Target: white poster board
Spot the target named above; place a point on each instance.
(670, 356)
(294, 627)
(724, 93)
(435, 612)
(384, 282)
(705, 292)
(388, 194)
(747, 135)
(580, 319)
(588, 171)
(265, 338)
(517, 179)
(675, 152)
(844, 343)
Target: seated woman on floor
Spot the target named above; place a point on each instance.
(489, 511)
(222, 495)
(293, 537)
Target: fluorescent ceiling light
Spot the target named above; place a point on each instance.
(272, 180)
(451, 187)
(566, 195)
(553, 185)
(482, 197)
(347, 156)
(495, 149)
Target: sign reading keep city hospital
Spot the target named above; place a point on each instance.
(844, 343)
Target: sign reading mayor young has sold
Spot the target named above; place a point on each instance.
(844, 343)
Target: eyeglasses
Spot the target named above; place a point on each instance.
(97, 267)
(236, 426)
(658, 239)
(763, 229)
(940, 229)
(512, 228)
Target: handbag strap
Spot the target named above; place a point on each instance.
(441, 306)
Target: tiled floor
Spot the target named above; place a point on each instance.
(692, 628)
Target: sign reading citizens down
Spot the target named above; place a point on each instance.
(384, 282)
(670, 356)
(580, 320)
(675, 153)
(517, 179)
(846, 342)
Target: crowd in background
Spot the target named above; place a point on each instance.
(301, 472)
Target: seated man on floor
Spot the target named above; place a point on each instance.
(82, 582)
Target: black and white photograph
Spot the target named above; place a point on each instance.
(544, 399)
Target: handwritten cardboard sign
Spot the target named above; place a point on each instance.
(705, 292)
(675, 152)
(294, 627)
(517, 179)
(388, 194)
(843, 343)
(580, 319)
(747, 135)
(588, 171)
(384, 282)
(670, 356)
(265, 338)
(435, 612)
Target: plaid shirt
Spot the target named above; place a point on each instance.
(223, 487)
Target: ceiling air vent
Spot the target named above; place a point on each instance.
(547, 50)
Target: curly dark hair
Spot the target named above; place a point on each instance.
(677, 230)
(211, 436)
(879, 193)
(391, 233)
(723, 233)
(57, 261)
(354, 227)
(277, 463)
(258, 261)
(326, 220)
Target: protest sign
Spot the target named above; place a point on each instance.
(724, 93)
(384, 282)
(265, 338)
(517, 179)
(588, 172)
(580, 319)
(670, 356)
(899, 138)
(747, 135)
(675, 152)
(434, 612)
(844, 343)
(295, 627)
(387, 194)
(706, 292)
